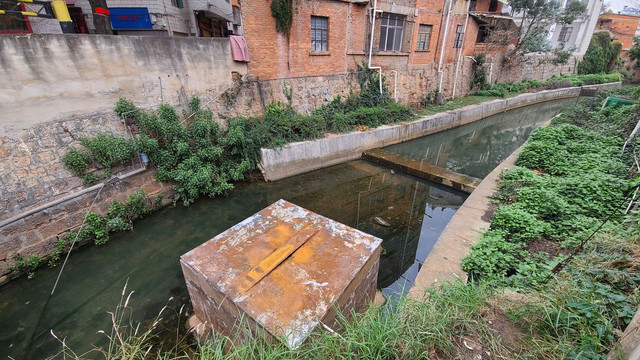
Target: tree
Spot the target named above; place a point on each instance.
(634, 52)
(537, 16)
(601, 56)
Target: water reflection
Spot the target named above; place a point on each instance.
(477, 148)
(355, 193)
(407, 213)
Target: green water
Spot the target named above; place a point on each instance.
(354, 193)
(477, 148)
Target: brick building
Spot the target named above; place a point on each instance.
(411, 38)
(623, 27)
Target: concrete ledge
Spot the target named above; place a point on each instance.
(462, 231)
(305, 156)
(422, 170)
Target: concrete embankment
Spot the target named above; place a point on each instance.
(305, 156)
(464, 229)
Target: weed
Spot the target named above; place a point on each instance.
(95, 228)
(27, 266)
(77, 161)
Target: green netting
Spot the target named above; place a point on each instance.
(615, 102)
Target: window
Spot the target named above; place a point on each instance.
(391, 32)
(319, 34)
(177, 3)
(472, 5)
(13, 24)
(483, 33)
(457, 41)
(424, 37)
(493, 6)
(565, 34)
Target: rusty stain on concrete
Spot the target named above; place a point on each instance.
(423, 170)
(281, 271)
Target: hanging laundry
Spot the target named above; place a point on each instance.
(239, 49)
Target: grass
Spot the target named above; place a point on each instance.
(576, 314)
(455, 104)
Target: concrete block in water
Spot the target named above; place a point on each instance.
(422, 170)
(281, 273)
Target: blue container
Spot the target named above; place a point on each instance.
(144, 158)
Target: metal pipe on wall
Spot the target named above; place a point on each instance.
(444, 40)
(464, 35)
(374, 10)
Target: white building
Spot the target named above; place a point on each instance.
(576, 36)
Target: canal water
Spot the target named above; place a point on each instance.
(356, 193)
(477, 148)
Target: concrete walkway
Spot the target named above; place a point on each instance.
(464, 229)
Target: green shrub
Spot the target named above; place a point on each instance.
(76, 161)
(118, 225)
(138, 204)
(109, 150)
(90, 178)
(95, 228)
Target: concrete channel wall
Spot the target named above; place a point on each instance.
(305, 156)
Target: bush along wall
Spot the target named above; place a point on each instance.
(199, 156)
(561, 231)
(554, 82)
(203, 158)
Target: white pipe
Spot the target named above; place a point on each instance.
(444, 41)
(395, 84)
(374, 10)
(490, 71)
(67, 198)
(464, 34)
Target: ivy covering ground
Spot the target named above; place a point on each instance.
(570, 180)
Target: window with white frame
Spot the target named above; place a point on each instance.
(319, 34)
(424, 37)
(391, 32)
(565, 34)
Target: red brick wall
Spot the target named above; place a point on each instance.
(275, 56)
(623, 27)
(429, 13)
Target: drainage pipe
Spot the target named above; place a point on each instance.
(67, 198)
(464, 35)
(444, 41)
(374, 10)
(395, 84)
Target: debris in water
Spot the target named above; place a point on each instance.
(434, 197)
(390, 208)
(392, 172)
(379, 221)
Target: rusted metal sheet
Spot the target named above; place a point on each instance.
(282, 271)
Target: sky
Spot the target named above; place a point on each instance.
(617, 5)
